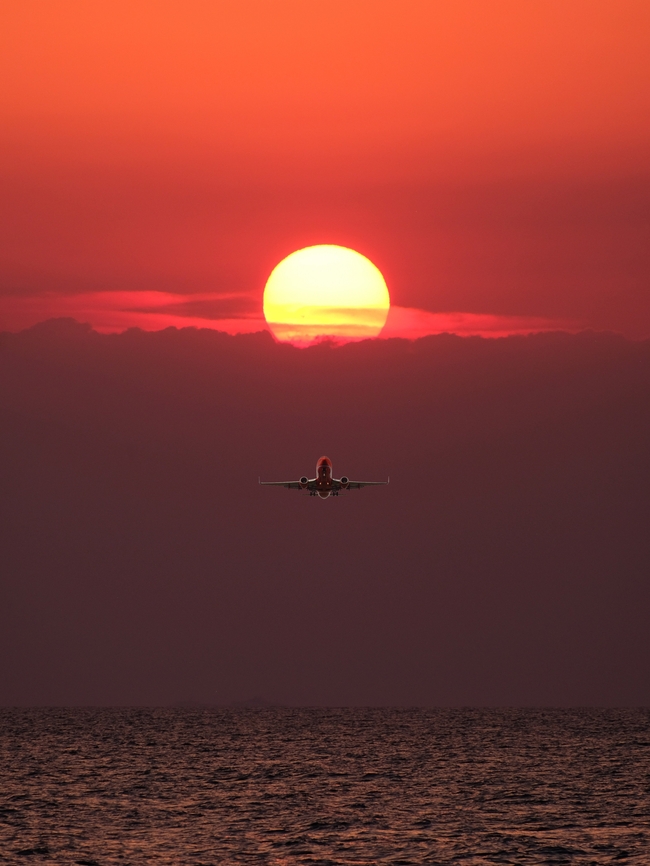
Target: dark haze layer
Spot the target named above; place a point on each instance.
(506, 563)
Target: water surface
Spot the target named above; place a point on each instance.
(324, 786)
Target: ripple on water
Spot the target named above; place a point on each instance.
(353, 786)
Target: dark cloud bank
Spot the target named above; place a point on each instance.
(508, 561)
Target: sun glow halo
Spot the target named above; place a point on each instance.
(325, 291)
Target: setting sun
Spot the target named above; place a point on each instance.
(325, 291)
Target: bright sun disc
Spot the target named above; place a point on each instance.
(325, 291)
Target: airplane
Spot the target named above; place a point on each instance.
(323, 484)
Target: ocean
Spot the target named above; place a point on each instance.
(324, 786)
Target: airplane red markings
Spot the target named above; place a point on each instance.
(324, 484)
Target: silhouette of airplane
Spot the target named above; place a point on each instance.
(323, 484)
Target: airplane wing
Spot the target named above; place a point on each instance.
(290, 485)
(355, 485)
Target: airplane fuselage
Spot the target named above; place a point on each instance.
(324, 477)
(324, 484)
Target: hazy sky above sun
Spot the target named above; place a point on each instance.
(490, 157)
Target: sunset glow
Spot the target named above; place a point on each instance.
(157, 161)
(325, 291)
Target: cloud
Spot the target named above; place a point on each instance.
(413, 323)
(237, 313)
(114, 312)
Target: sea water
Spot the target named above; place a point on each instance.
(324, 786)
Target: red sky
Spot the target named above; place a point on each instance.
(492, 158)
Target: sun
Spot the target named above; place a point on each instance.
(325, 291)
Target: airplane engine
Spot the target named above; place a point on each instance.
(345, 481)
(304, 481)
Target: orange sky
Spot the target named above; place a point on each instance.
(491, 157)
